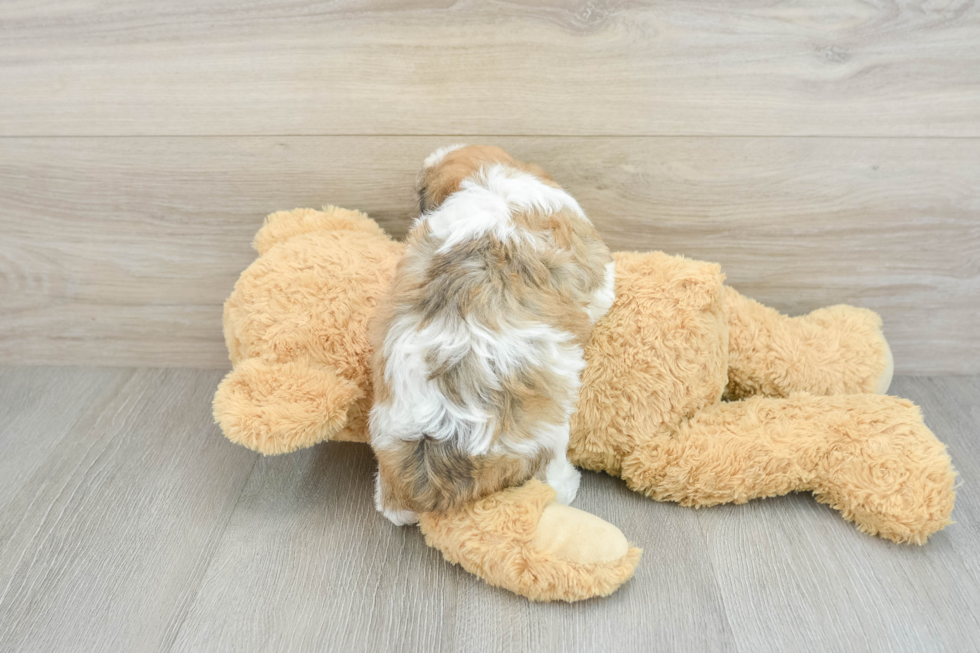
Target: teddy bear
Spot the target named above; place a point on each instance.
(691, 393)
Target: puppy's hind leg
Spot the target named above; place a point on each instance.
(559, 473)
(563, 478)
(396, 517)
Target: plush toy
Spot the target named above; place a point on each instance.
(692, 393)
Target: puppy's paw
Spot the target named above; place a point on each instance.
(396, 517)
(400, 517)
(564, 479)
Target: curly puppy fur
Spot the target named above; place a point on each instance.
(478, 345)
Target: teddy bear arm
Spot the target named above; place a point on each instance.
(870, 457)
(835, 350)
(276, 408)
(522, 540)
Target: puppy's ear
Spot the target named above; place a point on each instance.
(436, 183)
(433, 185)
(429, 177)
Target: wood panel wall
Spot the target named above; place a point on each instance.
(822, 152)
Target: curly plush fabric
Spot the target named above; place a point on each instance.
(280, 407)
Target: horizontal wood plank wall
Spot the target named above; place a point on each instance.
(823, 152)
(120, 251)
(835, 67)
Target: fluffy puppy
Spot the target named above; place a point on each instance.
(478, 344)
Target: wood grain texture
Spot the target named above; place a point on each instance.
(140, 532)
(843, 67)
(120, 251)
(104, 538)
(40, 407)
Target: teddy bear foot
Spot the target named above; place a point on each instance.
(522, 540)
(831, 351)
(863, 361)
(890, 475)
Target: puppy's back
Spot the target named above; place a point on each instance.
(479, 346)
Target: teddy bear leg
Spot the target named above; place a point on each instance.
(835, 350)
(888, 473)
(276, 408)
(869, 456)
(522, 540)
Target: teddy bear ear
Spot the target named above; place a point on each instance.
(276, 408)
(283, 225)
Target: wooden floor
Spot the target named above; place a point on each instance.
(127, 523)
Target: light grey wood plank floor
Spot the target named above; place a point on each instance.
(106, 538)
(128, 523)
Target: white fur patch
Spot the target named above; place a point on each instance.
(418, 407)
(523, 190)
(468, 214)
(563, 477)
(484, 203)
(440, 154)
(604, 297)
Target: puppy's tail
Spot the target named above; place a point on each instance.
(433, 475)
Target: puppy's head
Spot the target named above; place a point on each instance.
(446, 168)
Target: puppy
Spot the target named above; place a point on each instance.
(478, 344)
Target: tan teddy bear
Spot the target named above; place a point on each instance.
(801, 415)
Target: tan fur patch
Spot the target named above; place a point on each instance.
(427, 475)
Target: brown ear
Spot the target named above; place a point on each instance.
(438, 181)
(276, 408)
